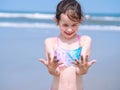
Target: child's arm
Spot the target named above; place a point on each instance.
(51, 62)
(84, 64)
(86, 42)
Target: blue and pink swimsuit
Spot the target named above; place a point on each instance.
(67, 56)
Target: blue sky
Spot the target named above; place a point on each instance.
(89, 6)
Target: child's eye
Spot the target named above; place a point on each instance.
(74, 25)
(65, 25)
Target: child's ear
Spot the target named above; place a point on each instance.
(82, 19)
(56, 21)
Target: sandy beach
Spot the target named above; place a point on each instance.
(21, 48)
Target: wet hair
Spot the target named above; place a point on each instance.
(70, 7)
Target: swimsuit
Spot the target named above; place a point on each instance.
(67, 56)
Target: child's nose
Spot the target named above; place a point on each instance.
(69, 29)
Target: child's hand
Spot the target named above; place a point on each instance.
(51, 65)
(83, 65)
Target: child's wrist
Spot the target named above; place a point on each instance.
(54, 72)
(81, 72)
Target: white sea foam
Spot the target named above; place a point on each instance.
(104, 18)
(27, 15)
(100, 27)
(27, 25)
(51, 16)
(45, 25)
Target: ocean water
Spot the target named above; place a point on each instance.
(46, 20)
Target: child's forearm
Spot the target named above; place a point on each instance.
(81, 73)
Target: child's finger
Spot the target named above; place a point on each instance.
(49, 58)
(86, 58)
(55, 60)
(82, 60)
(59, 63)
(92, 62)
(77, 62)
(43, 61)
(74, 63)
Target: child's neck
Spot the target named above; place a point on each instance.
(69, 44)
(68, 40)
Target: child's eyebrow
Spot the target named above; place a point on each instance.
(75, 23)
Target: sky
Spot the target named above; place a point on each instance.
(88, 6)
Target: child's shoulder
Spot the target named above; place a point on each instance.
(85, 38)
(50, 40)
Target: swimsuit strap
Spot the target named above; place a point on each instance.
(79, 40)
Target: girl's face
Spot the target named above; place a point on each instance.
(68, 28)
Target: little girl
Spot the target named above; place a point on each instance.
(67, 54)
